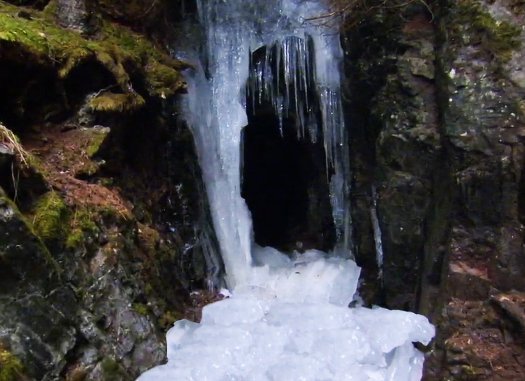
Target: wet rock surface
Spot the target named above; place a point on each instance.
(442, 142)
(395, 147)
(37, 311)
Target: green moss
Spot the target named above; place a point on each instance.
(148, 289)
(111, 370)
(499, 38)
(11, 368)
(163, 81)
(50, 9)
(116, 48)
(82, 224)
(168, 318)
(36, 165)
(113, 60)
(96, 138)
(48, 257)
(109, 213)
(75, 238)
(140, 308)
(50, 217)
(110, 102)
(74, 57)
(85, 221)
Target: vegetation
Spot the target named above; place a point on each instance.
(474, 23)
(118, 49)
(110, 102)
(50, 217)
(11, 368)
(167, 319)
(141, 308)
(111, 370)
(82, 224)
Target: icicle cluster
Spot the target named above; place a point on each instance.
(285, 79)
(298, 76)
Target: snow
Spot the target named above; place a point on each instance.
(286, 316)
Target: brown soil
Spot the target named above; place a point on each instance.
(64, 158)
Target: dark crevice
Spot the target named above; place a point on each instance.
(86, 78)
(30, 92)
(285, 179)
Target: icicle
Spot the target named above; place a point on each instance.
(377, 234)
(280, 110)
(286, 75)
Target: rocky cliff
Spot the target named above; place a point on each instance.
(436, 107)
(101, 210)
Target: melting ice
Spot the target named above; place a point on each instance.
(288, 316)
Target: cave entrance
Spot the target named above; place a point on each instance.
(285, 180)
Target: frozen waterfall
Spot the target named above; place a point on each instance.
(288, 316)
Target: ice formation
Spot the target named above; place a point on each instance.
(293, 323)
(287, 317)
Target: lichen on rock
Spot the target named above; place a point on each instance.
(474, 25)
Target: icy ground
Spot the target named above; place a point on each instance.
(305, 333)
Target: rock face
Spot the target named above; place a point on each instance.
(73, 14)
(102, 219)
(395, 146)
(37, 311)
(437, 112)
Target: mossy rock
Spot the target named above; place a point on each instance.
(117, 48)
(163, 81)
(75, 239)
(168, 318)
(141, 309)
(121, 103)
(50, 218)
(476, 26)
(82, 225)
(97, 138)
(15, 227)
(112, 370)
